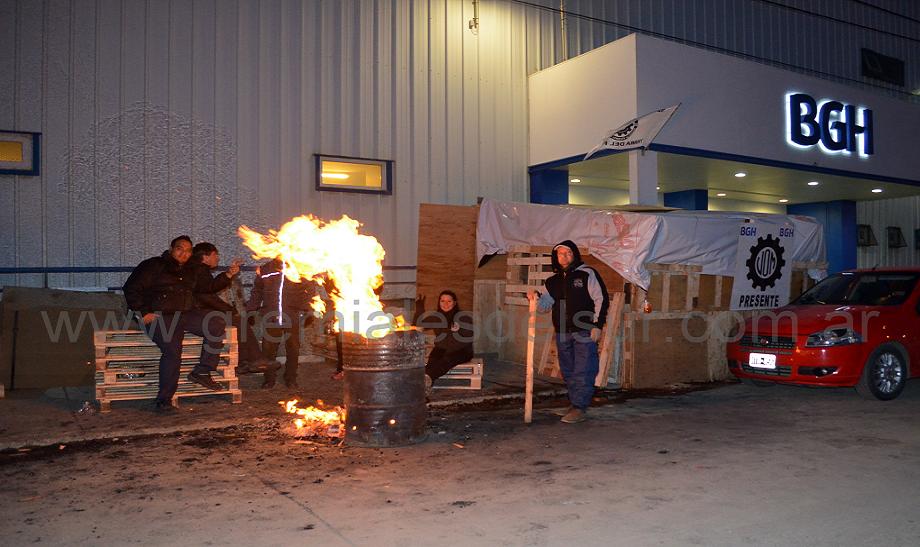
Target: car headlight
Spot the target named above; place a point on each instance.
(833, 337)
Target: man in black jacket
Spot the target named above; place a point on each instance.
(161, 291)
(206, 257)
(579, 302)
(280, 302)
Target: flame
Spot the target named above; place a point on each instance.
(310, 248)
(314, 420)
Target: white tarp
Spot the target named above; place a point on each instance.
(625, 241)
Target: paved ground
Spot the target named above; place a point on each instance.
(44, 417)
(734, 465)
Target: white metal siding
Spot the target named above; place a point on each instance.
(903, 213)
(163, 117)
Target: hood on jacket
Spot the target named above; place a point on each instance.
(576, 260)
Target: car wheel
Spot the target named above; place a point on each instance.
(757, 383)
(884, 375)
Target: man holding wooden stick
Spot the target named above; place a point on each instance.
(578, 299)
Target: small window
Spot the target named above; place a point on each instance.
(865, 237)
(895, 237)
(343, 174)
(20, 153)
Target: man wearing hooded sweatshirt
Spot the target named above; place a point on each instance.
(578, 299)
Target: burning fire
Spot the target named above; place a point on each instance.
(313, 421)
(310, 247)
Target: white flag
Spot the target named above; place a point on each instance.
(637, 133)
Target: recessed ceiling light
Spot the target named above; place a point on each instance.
(574, 180)
(784, 201)
(876, 190)
(658, 188)
(814, 183)
(721, 194)
(740, 174)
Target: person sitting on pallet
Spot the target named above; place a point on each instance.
(578, 299)
(207, 297)
(281, 303)
(161, 292)
(453, 329)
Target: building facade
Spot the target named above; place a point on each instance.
(158, 118)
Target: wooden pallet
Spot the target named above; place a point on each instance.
(463, 376)
(128, 364)
(528, 267)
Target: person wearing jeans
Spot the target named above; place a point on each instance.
(161, 292)
(578, 299)
(167, 331)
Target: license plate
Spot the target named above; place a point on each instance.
(762, 360)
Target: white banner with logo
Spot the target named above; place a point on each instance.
(763, 270)
(636, 133)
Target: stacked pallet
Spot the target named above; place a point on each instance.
(463, 376)
(127, 367)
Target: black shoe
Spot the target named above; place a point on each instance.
(164, 408)
(243, 368)
(265, 365)
(204, 380)
(269, 381)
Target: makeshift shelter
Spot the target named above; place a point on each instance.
(669, 274)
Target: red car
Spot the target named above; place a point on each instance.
(858, 328)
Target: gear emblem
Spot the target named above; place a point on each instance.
(766, 263)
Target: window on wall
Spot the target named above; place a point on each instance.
(362, 175)
(895, 237)
(864, 236)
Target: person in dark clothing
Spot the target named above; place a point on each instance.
(453, 329)
(280, 302)
(578, 299)
(206, 257)
(161, 292)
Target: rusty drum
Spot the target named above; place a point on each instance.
(384, 389)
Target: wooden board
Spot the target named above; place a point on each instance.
(47, 353)
(660, 355)
(488, 308)
(446, 252)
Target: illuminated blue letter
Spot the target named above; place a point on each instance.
(799, 120)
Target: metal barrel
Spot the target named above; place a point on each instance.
(384, 389)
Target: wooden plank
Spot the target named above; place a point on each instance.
(446, 256)
(608, 338)
(725, 301)
(706, 292)
(531, 340)
(529, 260)
(530, 249)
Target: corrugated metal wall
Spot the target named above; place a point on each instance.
(165, 117)
(903, 213)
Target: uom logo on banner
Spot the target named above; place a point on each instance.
(763, 269)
